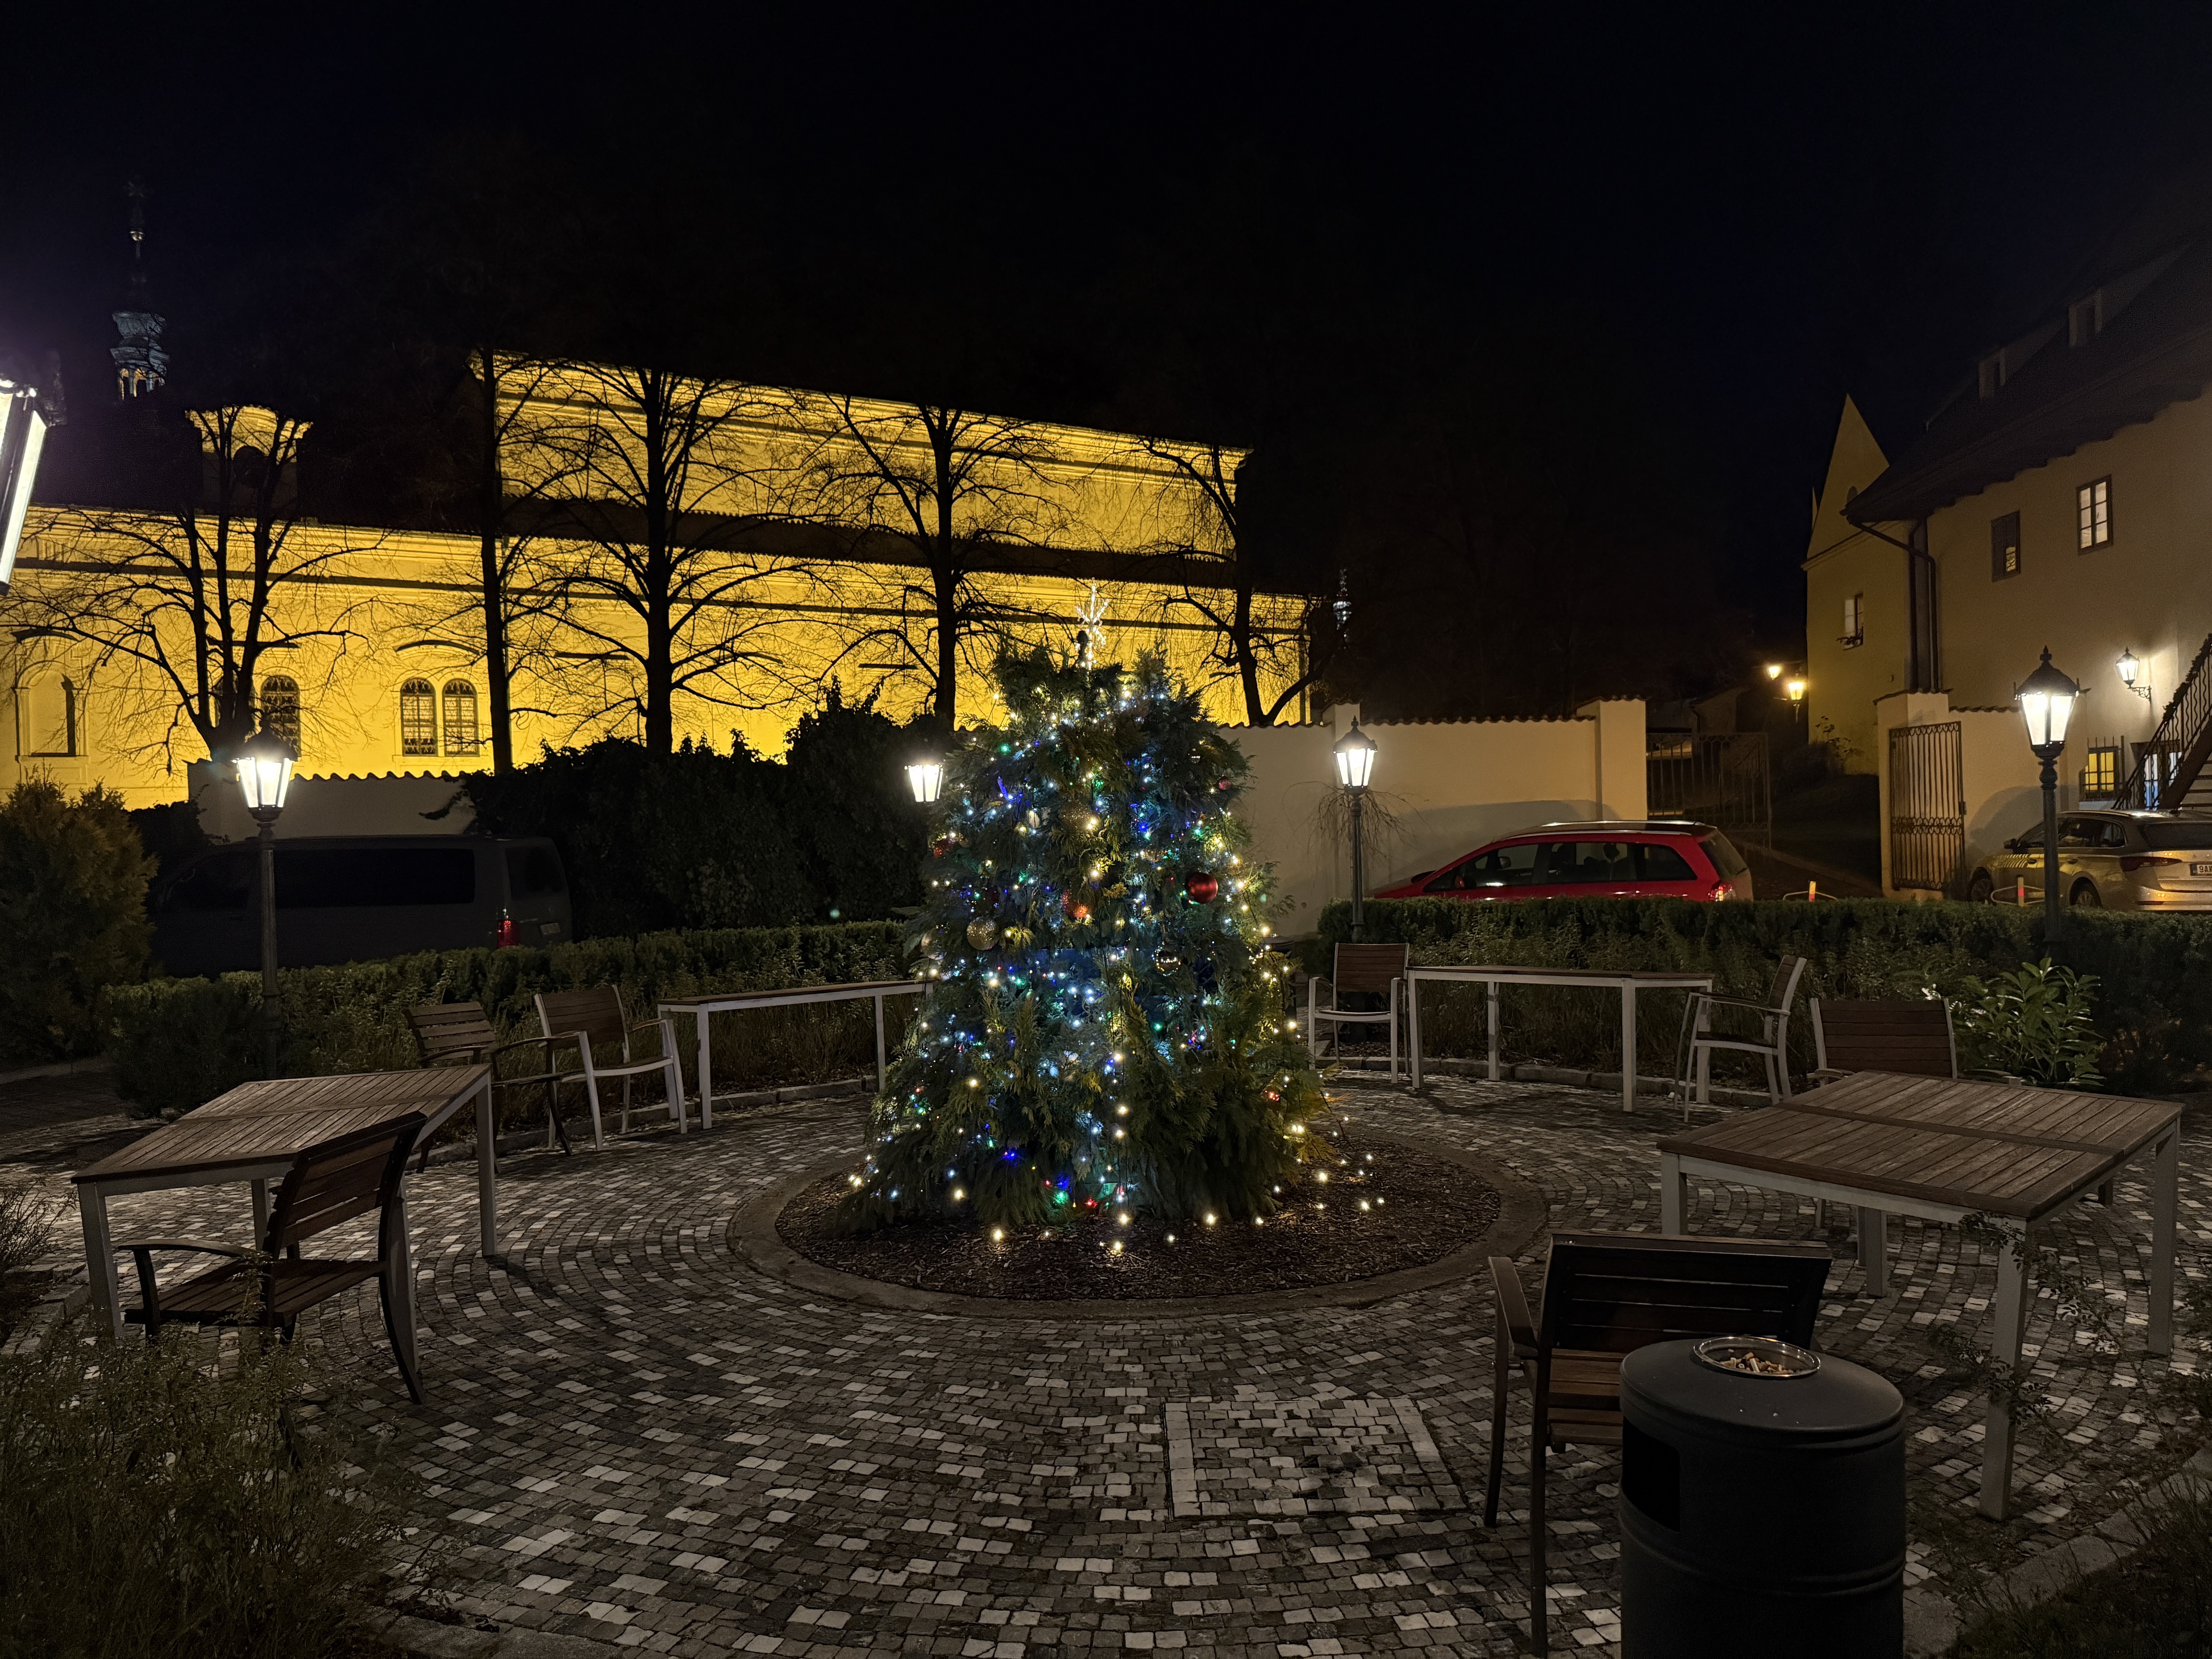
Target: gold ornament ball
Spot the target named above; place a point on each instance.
(982, 933)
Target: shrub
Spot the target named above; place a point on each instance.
(152, 1504)
(2033, 1022)
(179, 1043)
(72, 913)
(2154, 973)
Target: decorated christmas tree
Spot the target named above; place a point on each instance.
(1106, 1027)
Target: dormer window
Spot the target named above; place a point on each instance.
(2084, 320)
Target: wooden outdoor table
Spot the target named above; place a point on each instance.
(723, 1002)
(253, 1133)
(1945, 1149)
(1628, 984)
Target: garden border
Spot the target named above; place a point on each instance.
(1523, 1210)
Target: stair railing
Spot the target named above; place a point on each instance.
(2184, 732)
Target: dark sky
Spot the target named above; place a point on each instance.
(1756, 207)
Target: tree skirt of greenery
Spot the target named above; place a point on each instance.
(1386, 1207)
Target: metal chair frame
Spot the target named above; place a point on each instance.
(1377, 969)
(598, 1017)
(1772, 1045)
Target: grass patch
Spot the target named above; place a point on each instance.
(2156, 1604)
(157, 1504)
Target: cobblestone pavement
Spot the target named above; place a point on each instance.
(635, 1437)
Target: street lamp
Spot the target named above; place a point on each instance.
(264, 777)
(926, 778)
(2046, 703)
(1355, 764)
(22, 435)
(2129, 669)
(1795, 686)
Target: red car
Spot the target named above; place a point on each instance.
(1659, 858)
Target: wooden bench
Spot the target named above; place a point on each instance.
(333, 1181)
(1608, 1294)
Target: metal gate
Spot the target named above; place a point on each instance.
(1718, 778)
(1927, 806)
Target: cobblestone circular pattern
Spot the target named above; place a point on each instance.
(1416, 1207)
(635, 1436)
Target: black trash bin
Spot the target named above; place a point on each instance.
(1771, 1502)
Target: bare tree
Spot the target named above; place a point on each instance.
(191, 600)
(644, 553)
(1218, 580)
(941, 491)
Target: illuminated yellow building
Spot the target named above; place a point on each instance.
(807, 526)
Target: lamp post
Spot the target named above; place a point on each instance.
(1355, 764)
(265, 776)
(2046, 703)
(926, 777)
(22, 435)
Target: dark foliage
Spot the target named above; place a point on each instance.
(72, 916)
(697, 839)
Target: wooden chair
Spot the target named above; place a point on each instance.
(1771, 1044)
(602, 1029)
(1606, 1295)
(460, 1033)
(335, 1181)
(1361, 970)
(1912, 1035)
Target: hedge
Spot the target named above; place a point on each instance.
(2154, 996)
(177, 1042)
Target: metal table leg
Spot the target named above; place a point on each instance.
(2004, 1348)
(1673, 1194)
(881, 1071)
(1414, 1032)
(487, 1172)
(706, 1067)
(2165, 1180)
(100, 1259)
(1496, 1071)
(1628, 1045)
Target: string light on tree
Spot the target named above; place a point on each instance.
(1106, 1037)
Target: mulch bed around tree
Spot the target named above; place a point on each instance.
(1421, 1207)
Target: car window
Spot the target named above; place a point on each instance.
(2028, 839)
(2184, 835)
(2113, 835)
(350, 877)
(1501, 866)
(1588, 863)
(220, 881)
(532, 871)
(1662, 863)
(2077, 834)
(1726, 860)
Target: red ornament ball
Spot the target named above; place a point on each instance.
(1072, 910)
(1201, 886)
(941, 846)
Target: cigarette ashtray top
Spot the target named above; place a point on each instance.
(1757, 1355)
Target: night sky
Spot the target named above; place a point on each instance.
(1745, 211)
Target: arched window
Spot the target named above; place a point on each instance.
(280, 707)
(460, 718)
(418, 718)
(47, 716)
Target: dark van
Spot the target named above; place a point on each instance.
(356, 898)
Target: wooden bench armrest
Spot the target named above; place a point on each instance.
(205, 1246)
(1513, 1306)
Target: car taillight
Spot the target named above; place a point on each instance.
(1722, 890)
(509, 934)
(2141, 858)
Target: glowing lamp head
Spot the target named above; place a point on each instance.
(926, 779)
(265, 772)
(1355, 758)
(1774, 670)
(2046, 703)
(1795, 686)
(22, 435)
(2129, 669)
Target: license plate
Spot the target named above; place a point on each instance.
(2200, 869)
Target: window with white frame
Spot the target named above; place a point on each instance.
(2092, 512)
(1854, 620)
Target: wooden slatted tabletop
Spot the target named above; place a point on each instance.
(1976, 1170)
(2112, 1124)
(258, 1122)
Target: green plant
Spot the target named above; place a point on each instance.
(153, 1503)
(2155, 1604)
(27, 1228)
(72, 915)
(2036, 1023)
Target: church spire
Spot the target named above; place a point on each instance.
(141, 365)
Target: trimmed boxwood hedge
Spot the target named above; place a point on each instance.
(2154, 996)
(177, 1043)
